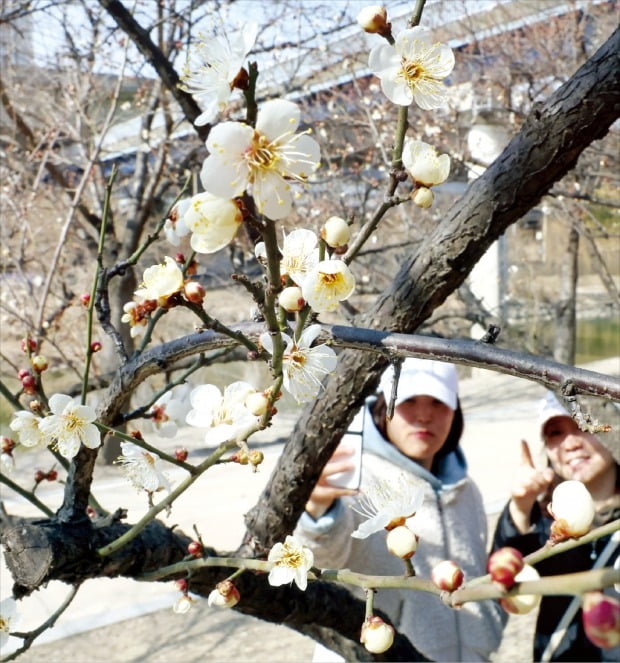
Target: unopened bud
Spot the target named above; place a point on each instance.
(447, 575)
(601, 619)
(35, 406)
(291, 299)
(52, 475)
(194, 548)
(23, 372)
(95, 346)
(402, 542)
(85, 299)
(373, 19)
(28, 345)
(240, 457)
(183, 605)
(572, 508)
(523, 603)
(504, 564)
(181, 454)
(377, 636)
(336, 232)
(194, 292)
(29, 384)
(7, 445)
(423, 197)
(257, 403)
(181, 584)
(39, 475)
(39, 363)
(225, 595)
(256, 457)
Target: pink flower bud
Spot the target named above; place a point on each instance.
(194, 292)
(23, 373)
(194, 548)
(377, 636)
(601, 619)
(447, 575)
(181, 454)
(95, 346)
(402, 542)
(523, 603)
(181, 584)
(572, 509)
(28, 345)
(29, 384)
(85, 299)
(504, 564)
(39, 363)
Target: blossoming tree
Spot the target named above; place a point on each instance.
(260, 161)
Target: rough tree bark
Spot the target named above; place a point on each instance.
(548, 145)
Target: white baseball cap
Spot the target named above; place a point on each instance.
(423, 377)
(548, 408)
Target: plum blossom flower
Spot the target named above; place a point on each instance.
(327, 284)
(169, 410)
(423, 163)
(211, 77)
(26, 425)
(266, 158)
(224, 415)
(212, 221)
(303, 367)
(136, 316)
(8, 619)
(387, 505)
(142, 468)
(413, 69)
(70, 425)
(291, 563)
(300, 254)
(174, 226)
(161, 281)
(225, 595)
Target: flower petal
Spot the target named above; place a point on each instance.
(278, 117)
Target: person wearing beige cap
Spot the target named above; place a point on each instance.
(525, 523)
(417, 447)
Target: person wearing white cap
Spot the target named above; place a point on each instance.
(525, 524)
(420, 445)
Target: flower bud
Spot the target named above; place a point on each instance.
(52, 475)
(85, 299)
(181, 584)
(572, 508)
(29, 384)
(373, 19)
(28, 345)
(23, 372)
(601, 619)
(523, 603)
(447, 575)
(39, 363)
(194, 548)
(194, 292)
(402, 542)
(240, 457)
(336, 232)
(7, 445)
(95, 346)
(377, 636)
(183, 605)
(291, 299)
(257, 403)
(225, 595)
(504, 564)
(39, 475)
(423, 197)
(256, 457)
(181, 454)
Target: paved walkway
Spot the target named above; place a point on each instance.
(499, 411)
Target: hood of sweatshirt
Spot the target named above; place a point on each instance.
(452, 468)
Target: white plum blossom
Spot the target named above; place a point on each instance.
(291, 563)
(225, 595)
(303, 367)
(218, 61)
(169, 410)
(327, 284)
(266, 158)
(135, 317)
(161, 281)
(142, 468)
(8, 619)
(174, 226)
(300, 254)
(373, 19)
(70, 425)
(183, 604)
(423, 163)
(213, 222)
(572, 508)
(413, 69)
(387, 504)
(224, 415)
(26, 425)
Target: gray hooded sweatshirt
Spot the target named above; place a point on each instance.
(451, 524)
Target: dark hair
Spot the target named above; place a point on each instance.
(379, 415)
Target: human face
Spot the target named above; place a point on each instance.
(419, 428)
(576, 454)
